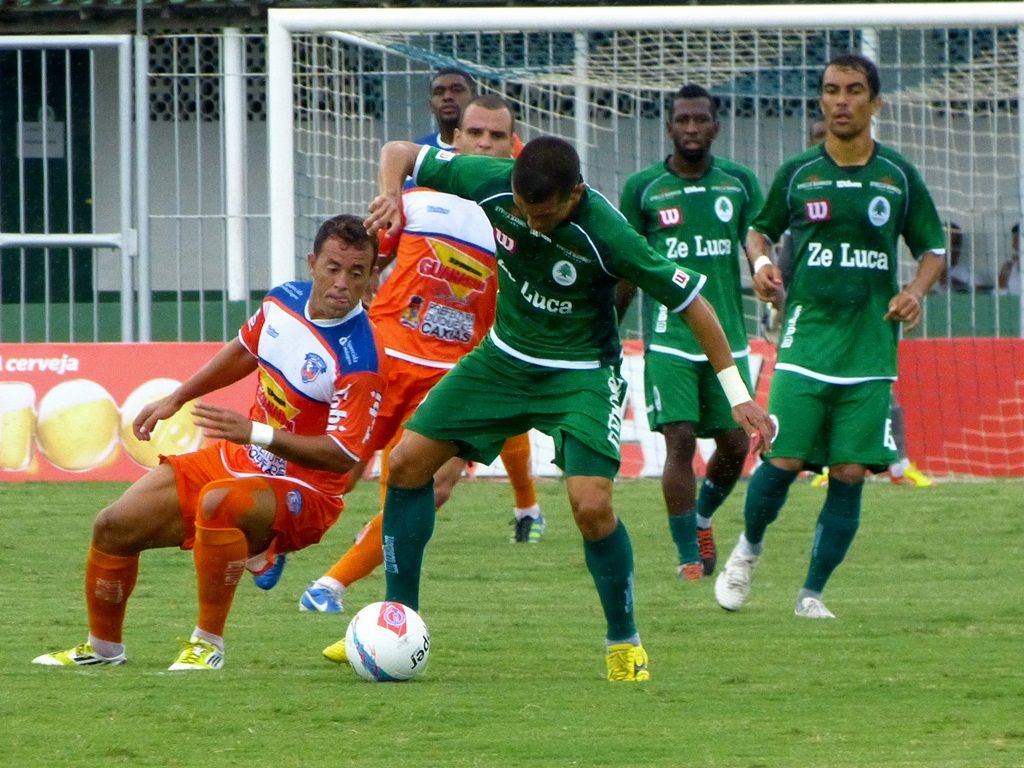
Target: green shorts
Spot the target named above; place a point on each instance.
(489, 396)
(678, 389)
(825, 424)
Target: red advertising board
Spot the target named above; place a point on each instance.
(66, 409)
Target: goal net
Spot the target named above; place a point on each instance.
(344, 81)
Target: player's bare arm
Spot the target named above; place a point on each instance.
(905, 306)
(767, 276)
(310, 451)
(232, 363)
(703, 321)
(397, 160)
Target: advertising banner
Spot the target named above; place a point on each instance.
(66, 410)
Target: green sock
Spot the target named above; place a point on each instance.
(766, 494)
(684, 534)
(837, 525)
(711, 498)
(610, 562)
(407, 527)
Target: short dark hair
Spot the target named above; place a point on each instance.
(547, 167)
(1015, 229)
(470, 82)
(347, 228)
(859, 63)
(492, 102)
(694, 91)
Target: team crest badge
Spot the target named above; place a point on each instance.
(312, 367)
(879, 211)
(564, 273)
(724, 209)
(681, 278)
(670, 217)
(293, 501)
(819, 210)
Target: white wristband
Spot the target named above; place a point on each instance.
(735, 390)
(261, 435)
(761, 261)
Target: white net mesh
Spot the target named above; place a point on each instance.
(951, 99)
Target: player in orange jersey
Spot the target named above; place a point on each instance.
(435, 306)
(273, 480)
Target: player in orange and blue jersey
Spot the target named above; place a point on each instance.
(273, 480)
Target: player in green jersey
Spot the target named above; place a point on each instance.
(694, 209)
(847, 203)
(551, 360)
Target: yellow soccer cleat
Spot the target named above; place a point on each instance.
(336, 652)
(820, 481)
(80, 656)
(628, 663)
(198, 655)
(912, 476)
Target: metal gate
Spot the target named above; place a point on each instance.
(66, 189)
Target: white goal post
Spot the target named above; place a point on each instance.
(342, 81)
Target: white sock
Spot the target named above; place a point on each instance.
(703, 522)
(105, 648)
(215, 640)
(331, 583)
(897, 469)
(750, 550)
(533, 512)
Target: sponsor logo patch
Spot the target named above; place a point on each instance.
(669, 217)
(392, 617)
(819, 210)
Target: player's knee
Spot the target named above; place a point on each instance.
(680, 439)
(112, 531)
(592, 511)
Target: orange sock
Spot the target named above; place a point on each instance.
(363, 556)
(109, 581)
(220, 555)
(516, 458)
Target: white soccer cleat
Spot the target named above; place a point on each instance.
(733, 584)
(812, 608)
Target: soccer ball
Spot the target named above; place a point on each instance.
(387, 643)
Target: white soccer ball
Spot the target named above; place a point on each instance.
(387, 643)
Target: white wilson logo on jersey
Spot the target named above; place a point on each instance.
(504, 240)
(818, 210)
(669, 217)
(680, 278)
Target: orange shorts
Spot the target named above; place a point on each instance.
(408, 384)
(303, 515)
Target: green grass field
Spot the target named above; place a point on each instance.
(923, 667)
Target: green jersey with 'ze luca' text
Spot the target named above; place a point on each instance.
(700, 224)
(556, 292)
(846, 223)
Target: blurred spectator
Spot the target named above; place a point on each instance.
(1009, 273)
(957, 278)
